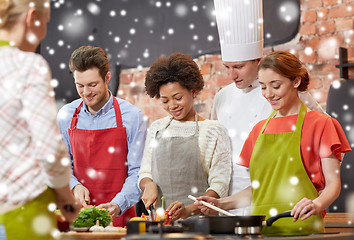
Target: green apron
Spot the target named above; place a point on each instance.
(4, 43)
(276, 167)
(33, 220)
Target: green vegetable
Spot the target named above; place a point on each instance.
(163, 202)
(88, 216)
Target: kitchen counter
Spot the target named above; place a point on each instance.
(339, 226)
(328, 236)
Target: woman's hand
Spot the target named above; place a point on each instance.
(205, 210)
(150, 194)
(177, 210)
(67, 203)
(304, 209)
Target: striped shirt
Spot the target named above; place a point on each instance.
(32, 154)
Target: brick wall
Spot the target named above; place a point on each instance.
(325, 26)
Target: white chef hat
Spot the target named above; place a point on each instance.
(240, 26)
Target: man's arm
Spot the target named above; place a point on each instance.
(136, 134)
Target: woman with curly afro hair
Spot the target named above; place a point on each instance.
(185, 154)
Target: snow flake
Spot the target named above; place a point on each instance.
(308, 50)
(112, 13)
(195, 8)
(123, 13)
(345, 107)
(50, 158)
(52, 207)
(336, 84)
(255, 184)
(65, 161)
(60, 27)
(181, 10)
(51, 51)
(93, 8)
(62, 65)
(116, 39)
(288, 11)
(194, 190)
(191, 26)
(61, 43)
(55, 234)
(132, 31)
(268, 35)
(111, 150)
(78, 12)
(158, 4)
(294, 180)
(168, 4)
(54, 83)
(195, 37)
(31, 37)
(91, 173)
(273, 212)
(42, 224)
(91, 38)
(334, 114)
(170, 31)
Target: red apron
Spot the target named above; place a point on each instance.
(100, 161)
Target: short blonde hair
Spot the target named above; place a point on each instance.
(10, 10)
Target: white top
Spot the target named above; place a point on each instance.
(238, 111)
(214, 144)
(32, 154)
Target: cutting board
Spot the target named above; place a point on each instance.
(91, 235)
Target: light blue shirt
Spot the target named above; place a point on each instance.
(133, 121)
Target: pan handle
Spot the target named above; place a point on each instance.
(271, 220)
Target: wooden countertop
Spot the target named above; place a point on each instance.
(339, 222)
(91, 235)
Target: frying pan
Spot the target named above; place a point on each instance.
(240, 224)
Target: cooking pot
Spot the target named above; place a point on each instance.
(240, 224)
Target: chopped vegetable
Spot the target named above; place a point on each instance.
(88, 216)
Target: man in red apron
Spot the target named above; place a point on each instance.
(105, 137)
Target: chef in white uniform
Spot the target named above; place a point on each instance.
(240, 105)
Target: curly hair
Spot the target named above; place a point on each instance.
(287, 65)
(177, 67)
